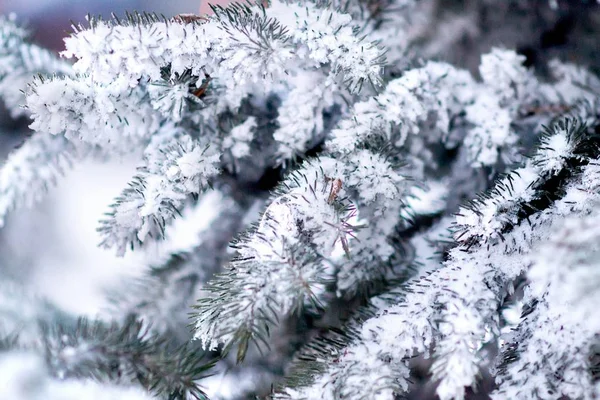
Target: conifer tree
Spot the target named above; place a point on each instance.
(377, 211)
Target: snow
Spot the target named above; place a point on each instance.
(554, 151)
(300, 117)
(334, 220)
(82, 110)
(484, 221)
(503, 72)
(470, 285)
(19, 62)
(435, 88)
(373, 176)
(491, 131)
(221, 48)
(175, 169)
(330, 39)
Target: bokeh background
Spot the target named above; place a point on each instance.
(50, 19)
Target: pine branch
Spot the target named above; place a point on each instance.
(564, 271)
(547, 354)
(83, 110)
(564, 147)
(177, 169)
(124, 353)
(376, 188)
(300, 121)
(241, 43)
(356, 361)
(74, 357)
(33, 168)
(406, 102)
(166, 293)
(332, 38)
(467, 321)
(282, 264)
(453, 307)
(129, 85)
(572, 84)
(508, 91)
(29, 379)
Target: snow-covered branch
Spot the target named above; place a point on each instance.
(82, 110)
(239, 44)
(452, 201)
(436, 88)
(196, 247)
(523, 191)
(455, 307)
(550, 351)
(177, 169)
(283, 264)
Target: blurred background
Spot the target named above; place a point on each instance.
(50, 19)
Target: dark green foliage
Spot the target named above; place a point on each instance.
(126, 353)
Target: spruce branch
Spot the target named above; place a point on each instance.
(378, 207)
(165, 294)
(178, 97)
(463, 333)
(332, 38)
(507, 88)
(453, 307)
(124, 353)
(177, 169)
(564, 147)
(508, 91)
(82, 353)
(559, 316)
(241, 43)
(379, 189)
(571, 84)
(82, 110)
(301, 121)
(378, 201)
(547, 355)
(30, 379)
(33, 168)
(407, 101)
(564, 271)
(282, 265)
(356, 361)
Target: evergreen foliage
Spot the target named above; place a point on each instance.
(386, 211)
